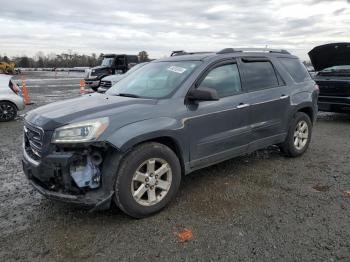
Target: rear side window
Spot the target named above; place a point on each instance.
(296, 69)
(259, 75)
(224, 79)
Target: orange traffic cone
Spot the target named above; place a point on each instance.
(25, 93)
(82, 87)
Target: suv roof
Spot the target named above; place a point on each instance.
(236, 52)
(260, 50)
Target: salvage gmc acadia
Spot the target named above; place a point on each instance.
(133, 144)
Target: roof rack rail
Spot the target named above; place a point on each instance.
(266, 50)
(182, 52)
(175, 53)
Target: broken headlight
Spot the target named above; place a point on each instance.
(85, 131)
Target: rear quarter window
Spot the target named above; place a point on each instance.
(259, 75)
(296, 69)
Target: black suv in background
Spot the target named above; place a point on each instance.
(332, 63)
(133, 144)
(110, 65)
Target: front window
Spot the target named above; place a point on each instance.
(154, 80)
(107, 61)
(224, 79)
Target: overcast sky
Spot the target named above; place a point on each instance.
(160, 26)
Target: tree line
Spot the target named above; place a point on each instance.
(68, 60)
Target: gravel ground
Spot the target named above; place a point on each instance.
(259, 207)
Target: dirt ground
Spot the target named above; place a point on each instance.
(259, 207)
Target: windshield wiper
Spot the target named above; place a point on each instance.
(128, 95)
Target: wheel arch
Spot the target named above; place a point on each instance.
(173, 144)
(165, 139)
(9, 101)
(308, 111)
(307, 108)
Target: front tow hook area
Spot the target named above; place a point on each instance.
(83, 169)
(96, 169)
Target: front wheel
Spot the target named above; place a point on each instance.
(299, 135)
(148, 179)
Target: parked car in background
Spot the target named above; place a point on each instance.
(111, 64)
(10, 99)
(332, 64)
(108, 81)
(133, 144)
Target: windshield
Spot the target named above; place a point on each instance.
(154, 80)
(107, 61)
(134, 68)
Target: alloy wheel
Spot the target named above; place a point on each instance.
(301, 135)
(151, 182)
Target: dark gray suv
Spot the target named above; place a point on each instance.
(133, 144)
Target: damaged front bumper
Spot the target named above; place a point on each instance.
(52, 177)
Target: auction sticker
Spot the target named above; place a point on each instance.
(177, 69)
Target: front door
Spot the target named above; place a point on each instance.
(219, 129)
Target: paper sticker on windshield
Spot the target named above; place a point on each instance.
(177, 69)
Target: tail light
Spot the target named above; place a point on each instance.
(14, 87)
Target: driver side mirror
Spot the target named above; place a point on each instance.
(203, 94)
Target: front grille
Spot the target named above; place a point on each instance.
(334, 88)
(106, 84)
(33, 140)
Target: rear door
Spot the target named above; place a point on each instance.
(268, 100)
(219, 129)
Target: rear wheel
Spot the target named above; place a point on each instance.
(8, 111)
(148, 179)
(299, 135)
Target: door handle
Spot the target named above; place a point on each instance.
(284, 96)
(242, 105)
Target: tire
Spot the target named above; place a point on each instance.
(8, 111)
(130, 183)
(94, 89)
(295, 144)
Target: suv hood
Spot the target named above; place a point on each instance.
(328, 55)
(122, 110)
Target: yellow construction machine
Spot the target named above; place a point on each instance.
(7, 68)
